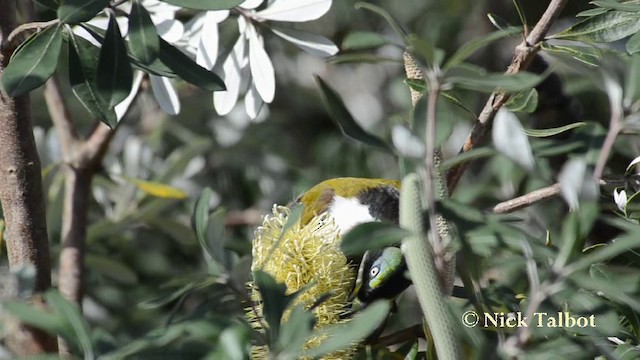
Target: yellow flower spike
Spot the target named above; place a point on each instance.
(305, 254)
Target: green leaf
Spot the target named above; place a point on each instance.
(385, 15)
(339, 113)
(295, 331)
(602, 254)
(607, 27)
(187, 69)
(72, 314)
(114, 75)
(205, 4)
(371, 236)
(82, 59)
(340, 336)
(586, 54)
(498, 22)
(473, 154)
(633, 44)
(200, 218)
(49, 4)
(524, 101)
(33, 63)
(274, 300)
(112, 269)
(472, 46)
(615, 5)
(154, 68)
(632, 82)
(540, 133)
(422, 50)
(53, 323)
(361, 58)
(76, 11)
(143, 38)
(360, 40)
(592, 12)
(490, 82)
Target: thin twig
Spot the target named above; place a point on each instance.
(549, 192)
(522, 57)
(614, 129)
(36, 25)
(58, 110)
(527, 199)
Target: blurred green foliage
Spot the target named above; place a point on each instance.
(161, 285)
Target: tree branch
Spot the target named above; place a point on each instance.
(58, 110)
(549, 192)
(523, 55)
(527, 199)
(22, 199)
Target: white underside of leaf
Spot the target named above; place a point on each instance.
(261, 67)
(123, 106)
(315, 45)
(165, 94)
(295, 10)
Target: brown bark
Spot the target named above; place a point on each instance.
(82, 159)
(21, 196)
(522, 58)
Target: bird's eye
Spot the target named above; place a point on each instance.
(374, 271)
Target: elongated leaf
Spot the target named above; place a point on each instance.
(385, 15)
(143, 38)
(205, 4)
(295, 10)
(274, 299)
(313, 44)
(34, 63)
(82, 61)
(112, 269)
(114, 75)
(49, 4)
(524, 101)
(490, 82)
(586, 54)
(296, 330)
(361, 58)
(157, 189)
(187, 69)
(607, 27)
(472, 46)
(72, 314)
(540, 133)
(509, 138)
(345, 121)
(343, 335)
(157, 67)
(498, 22)
(371, 236)
(52, 323)
(76, 11)
(571, 180)
(261, 67)
(200, 218)
(615, 5)
(633, 44)
(361, 40)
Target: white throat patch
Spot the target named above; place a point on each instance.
(349, 212)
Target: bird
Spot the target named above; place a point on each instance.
(352, 201)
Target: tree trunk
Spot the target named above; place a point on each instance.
(21, 196)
